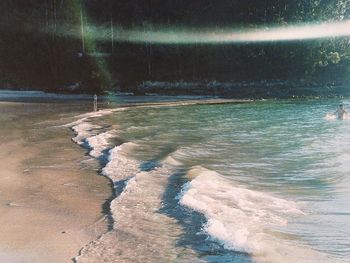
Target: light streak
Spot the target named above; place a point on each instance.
(183, 36)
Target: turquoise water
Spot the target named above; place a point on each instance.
(263, 181)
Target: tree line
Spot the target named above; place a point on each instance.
(35, 53)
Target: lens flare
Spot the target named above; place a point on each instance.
(183, 36)
(87, 37)
(91, 36)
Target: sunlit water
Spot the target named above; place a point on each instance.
(263, 181)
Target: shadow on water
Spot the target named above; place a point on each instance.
(192, 223)
(149, 166)
(116, 189)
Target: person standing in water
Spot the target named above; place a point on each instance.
(95, 102)
(341, 112)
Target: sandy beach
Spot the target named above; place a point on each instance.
(50, 206)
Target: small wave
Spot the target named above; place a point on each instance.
(100, 142)
(120, 166)
(244, 220)
(140, 233)
(86, 132)
(83, 131)
(233, 213)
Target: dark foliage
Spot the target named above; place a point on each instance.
(34, 54)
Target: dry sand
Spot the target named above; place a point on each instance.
(50, 206)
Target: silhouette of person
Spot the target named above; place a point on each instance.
(95, 102)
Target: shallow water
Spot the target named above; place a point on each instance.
(263, 181)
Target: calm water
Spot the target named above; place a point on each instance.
(263, 181)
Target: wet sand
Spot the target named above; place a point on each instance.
(50, 206)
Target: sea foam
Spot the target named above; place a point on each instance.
(83, 131)
(120, 165)
(140, 232)
(100, 143)
(89, 133)
(244, 220)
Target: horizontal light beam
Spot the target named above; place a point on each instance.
(217, 36)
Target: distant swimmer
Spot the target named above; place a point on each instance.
(341, 112)
(95, 102)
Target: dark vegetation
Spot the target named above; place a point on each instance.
(35, 54)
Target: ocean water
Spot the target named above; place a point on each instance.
(264, 181)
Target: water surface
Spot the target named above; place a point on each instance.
(263, 181)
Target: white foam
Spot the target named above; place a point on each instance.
(140, 233)
(100, 142)
(148, 185)
(83, 131)
(120, 165)
(135, 210)
(242, 219)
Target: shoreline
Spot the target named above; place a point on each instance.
(50, 204)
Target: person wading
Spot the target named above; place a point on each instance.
(341, 112)
(95, 102)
